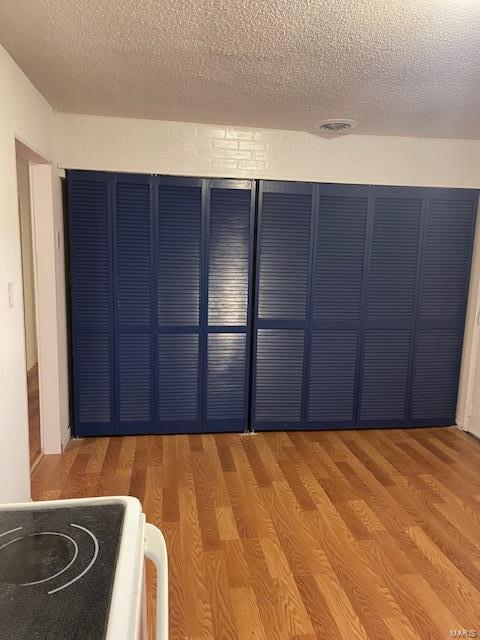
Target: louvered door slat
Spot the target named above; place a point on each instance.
(332, 377)
(134, 382)
(279, 378)
(93, 381)
(178, 370)
(226, 379)
(436, 372)
(179, 251)
(229, 256)
(133, 270)
(339, 256)
(393, 266)
(89, 228)
(446, 261)
(284, 255)
(385, 377)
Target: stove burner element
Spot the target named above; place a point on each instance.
(37, 558)
(90, 564)
(33, 559)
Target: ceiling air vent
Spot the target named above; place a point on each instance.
(336, 126)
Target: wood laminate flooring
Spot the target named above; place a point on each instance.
(33, 415)
(335, 534)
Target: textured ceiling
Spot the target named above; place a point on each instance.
(399, 67)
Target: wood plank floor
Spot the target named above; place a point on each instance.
(346, 534)
(33, 415)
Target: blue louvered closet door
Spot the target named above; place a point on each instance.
(337, 283)
(415, 302)
(310, 274)
(447, 244)
(203, 266)
(179, 239)
(91, 280)
(360, 305)
(388, 314)
(161, 274)
(132, 277)
(229, 251)
(284, 239)
(358, 317)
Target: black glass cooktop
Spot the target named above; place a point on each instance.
(56, 571)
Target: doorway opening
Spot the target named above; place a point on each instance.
(29, 306)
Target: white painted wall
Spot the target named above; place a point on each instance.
(23, 113)
(148, 146)
(23, 184)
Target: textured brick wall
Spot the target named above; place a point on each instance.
(147, 146)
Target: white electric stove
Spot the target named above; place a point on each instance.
(75, 569)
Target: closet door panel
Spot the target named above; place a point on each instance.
(338, 268)
(180, 344)
(133, 310)
(390, 306)
(446, 262)
(229, 264)
(90, 227)
(284, 245)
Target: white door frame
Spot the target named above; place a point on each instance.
(44, 247)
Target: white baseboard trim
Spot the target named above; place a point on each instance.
(66, 438)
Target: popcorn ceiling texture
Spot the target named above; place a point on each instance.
(399, 67)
